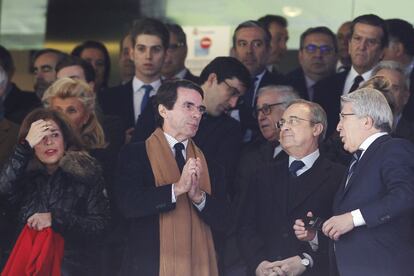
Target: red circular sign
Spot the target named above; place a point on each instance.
(205, 42)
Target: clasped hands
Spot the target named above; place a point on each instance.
(190, 181)
(288, 267)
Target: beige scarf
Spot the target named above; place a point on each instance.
(186, 243)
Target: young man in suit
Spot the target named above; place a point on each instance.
(366, 47)
(167, 194)
(150, 40)
(374, 205)
(283, 192)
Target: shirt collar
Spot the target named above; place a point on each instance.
(367, 142)
(353, 73)
(172, 141)
(137, 84)
(309, 160)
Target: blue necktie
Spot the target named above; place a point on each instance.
(352, 166)
(148, 88)
(295, 166)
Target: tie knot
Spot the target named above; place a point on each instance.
(295, 166)
(147, 88)
(178, 147)
(357, 154)
(358, 79)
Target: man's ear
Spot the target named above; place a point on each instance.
(211, 79)
(318, 129)
(162, 110)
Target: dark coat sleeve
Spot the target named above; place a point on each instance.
(135, 192)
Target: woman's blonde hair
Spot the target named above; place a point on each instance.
(92, 134)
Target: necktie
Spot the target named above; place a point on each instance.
(147, 90)
(295, 166)
(249, 96)
(352, 166)
(178, 147)
(358, 79)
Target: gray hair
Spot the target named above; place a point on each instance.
(318, 115)
(394, 66)
(371, 102)
(287, 93)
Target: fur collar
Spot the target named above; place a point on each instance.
(77, 163)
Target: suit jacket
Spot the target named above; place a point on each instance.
(246, 112)
(404, 129)
(19, 103)
(275, 200)
(219, 138)
(382, 188)
(327, 93)
(141, 202)
(119, 101)
(297, 80)
(408, 112)
(189, 76)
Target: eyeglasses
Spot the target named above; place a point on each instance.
(190, 107)
(323, 49)
(293, 121)
(343, 115)
(175, 46)
(266, 109)
(234, 91)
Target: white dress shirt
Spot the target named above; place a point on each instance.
(139, 93)
(349, 81)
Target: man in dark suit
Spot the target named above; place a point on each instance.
(165, 192)
(374, 205)
(251, 46)
(366, 47)
(285, 191)
(317, 57)
(150, 40)
(174, 64)
(223, 80)
(16, 103)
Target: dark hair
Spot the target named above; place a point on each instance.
(167, 94)
(373, 20)
(71, 140)
(6, 60)
(253, 24)
(401, 31)
(178, 31)
(226, 68)
(77, 51)
(270, 18)
(150, 26)
(318, 30)
(69, 60)
(41, 52)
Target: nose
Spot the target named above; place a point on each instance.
(47, 140)
(339, 126)
(148, 54)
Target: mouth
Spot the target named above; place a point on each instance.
(50, 152)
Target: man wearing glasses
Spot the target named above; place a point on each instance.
(317, 58)
(285, 191)
(366, 47)
(174, 63)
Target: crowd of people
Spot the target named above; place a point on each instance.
(239, 171)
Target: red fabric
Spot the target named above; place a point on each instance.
(36, 253)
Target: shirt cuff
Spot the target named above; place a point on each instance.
(314, 244)
(307, 256)
(357, 218)
(173, 198)
(201, 205)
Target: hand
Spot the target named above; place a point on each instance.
(264, 269)
(195, 193)
(336, 226)
(128, 135)
(37, 131)
(40, 221)
(301, 232)
(290, 267)
(184, 184)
